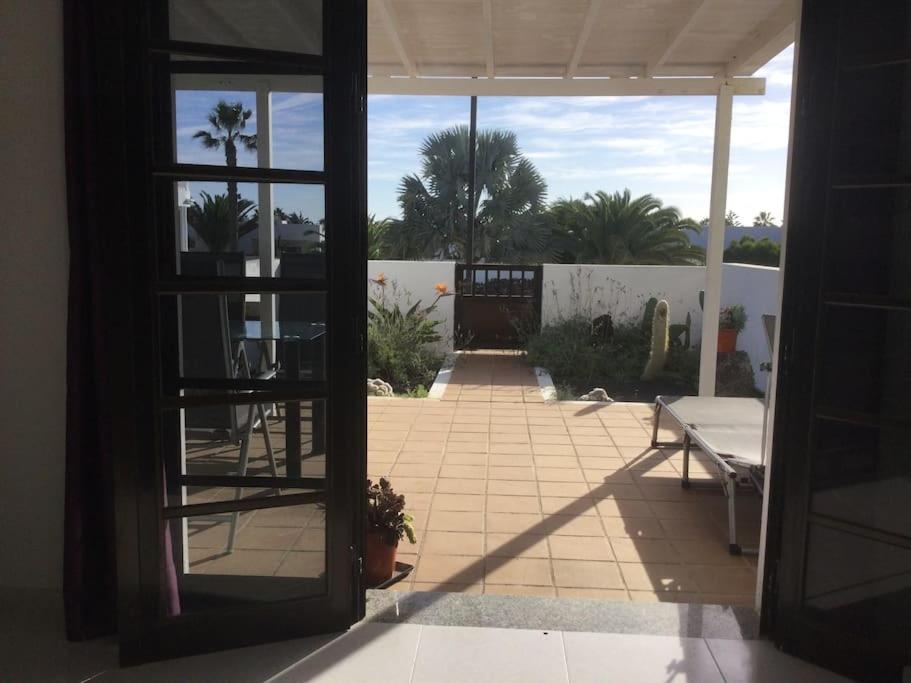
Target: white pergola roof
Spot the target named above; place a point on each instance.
(562, 44)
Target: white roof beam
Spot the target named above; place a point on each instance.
(562, 87)
(395, 34)
(488, 38)
(770, 37)
(594, 6)
(662, 52)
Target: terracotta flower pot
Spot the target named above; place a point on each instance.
(380, 559)
(727, 341)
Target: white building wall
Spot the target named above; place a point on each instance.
(408, 282)
(756, 289)
(622, 291)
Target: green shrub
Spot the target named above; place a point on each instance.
(573, 353)
(400, 343)
(733, 318)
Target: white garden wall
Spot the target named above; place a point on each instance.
(622, 291)
(595, 290)
(408, 282)
(756, 288)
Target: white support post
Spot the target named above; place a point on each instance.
(266, 203)
(708, 360)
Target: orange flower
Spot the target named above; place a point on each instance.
(380, 280)
(442, 289)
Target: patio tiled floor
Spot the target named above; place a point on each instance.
(514, 496)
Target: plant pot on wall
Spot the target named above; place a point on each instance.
(380, 558)
(727, 341)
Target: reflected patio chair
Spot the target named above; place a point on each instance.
(208, 351)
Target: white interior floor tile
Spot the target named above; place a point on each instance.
(370, 652)
(496, 655)
(756, 661)
(622, 658)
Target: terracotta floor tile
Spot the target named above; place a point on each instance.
(658, 578)
(449, 569)
(691, 529)
(510, 460)
(518, 570)
(472, 486)
(563, 489)
(559, 474)
(436, 587)
(640, 550)
(463, 472)
(633, 527)
(580, 548)
(265, 538)
(516, 545)
(613, 507)
(595, 476)
(511, 473)
(568, 506)
(668, 596)
(415, 470)
(465, 459)
(551, 439)
(556, 461)
(724, 580)
(609, 490)
(302, 564)
(591, 440)
(707, 552)
(497, 503)
(440, 520)
(418, 457)
(453, 543)
(457, 502)
(546, 449)
(514, 522)
(238, 563)
(515, 448)
(569, 525)
(512, 487)
(587, 574)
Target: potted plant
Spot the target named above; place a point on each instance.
(732, 320)
(387, 524)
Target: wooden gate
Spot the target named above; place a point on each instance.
(496, 303)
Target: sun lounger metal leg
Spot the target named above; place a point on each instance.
(731, 485)
(685, 480)
(242, 471)
(267, 437)
(655, 426)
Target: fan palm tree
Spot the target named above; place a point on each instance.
(212, 220)
(615, 228)
(764, 219)
(508, 203)
(227, 123)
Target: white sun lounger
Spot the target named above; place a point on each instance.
(730, 431)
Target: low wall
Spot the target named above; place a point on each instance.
(622, 291)
(756, 289)
(408, 282)
(595, 290)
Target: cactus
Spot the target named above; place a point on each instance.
(648, 315)
(657, 356)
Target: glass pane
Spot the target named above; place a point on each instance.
(863, 361)
(254, 440)
(875, 31)
(235, 559)
(863, 584)
(287, 25)
(244, 336)
(868, 249)
(217, 122)
(204, 228)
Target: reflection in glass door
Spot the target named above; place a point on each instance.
(250, 492)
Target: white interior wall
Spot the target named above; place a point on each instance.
(33, 279)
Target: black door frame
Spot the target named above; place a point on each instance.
(805, 297)
(134, 66)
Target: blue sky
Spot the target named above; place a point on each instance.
(659, 145)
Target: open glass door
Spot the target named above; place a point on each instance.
(248, 478)
(839, 576)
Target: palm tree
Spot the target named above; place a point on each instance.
(615, 228)
(212, 220)
(509, 200)
(228, 122)
(764, 219)
(732, 219)
(376, 237)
